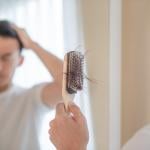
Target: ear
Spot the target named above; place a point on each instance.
(21, 60)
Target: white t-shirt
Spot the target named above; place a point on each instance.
(21, 113)
(140, 141)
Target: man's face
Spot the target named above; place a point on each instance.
(10, 58)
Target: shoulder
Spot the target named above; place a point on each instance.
(32, 94)
(22, 90)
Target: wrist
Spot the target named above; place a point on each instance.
(83, 148)
(74, 148)
(33, 45)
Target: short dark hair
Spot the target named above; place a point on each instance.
(6, 30)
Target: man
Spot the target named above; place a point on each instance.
(21, 110)
(68, 131)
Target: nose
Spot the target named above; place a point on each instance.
(1, 65)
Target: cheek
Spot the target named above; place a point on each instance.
(10, 68)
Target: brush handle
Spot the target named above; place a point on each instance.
(66, 96)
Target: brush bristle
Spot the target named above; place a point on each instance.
(74, 72)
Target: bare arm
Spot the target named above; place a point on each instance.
(51, 93)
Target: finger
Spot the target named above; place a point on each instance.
(51, 131)
(76, 112)
(51, 135)
(60, 109)
(52, 123)
(14, 27)
(18, 29)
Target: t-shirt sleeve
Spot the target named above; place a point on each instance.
(36, 94)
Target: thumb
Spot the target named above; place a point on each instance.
(60, 109)
(76, 112)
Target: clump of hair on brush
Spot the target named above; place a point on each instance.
(72, 75)
(74, 72)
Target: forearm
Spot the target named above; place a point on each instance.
(52, 63)
(74, 149)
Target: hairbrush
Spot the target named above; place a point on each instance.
(72, 75)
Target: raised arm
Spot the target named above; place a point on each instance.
(51, 93)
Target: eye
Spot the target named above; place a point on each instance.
(7, 57)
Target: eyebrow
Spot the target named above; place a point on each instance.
(6, 55)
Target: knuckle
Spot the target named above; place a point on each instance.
(59, 105)
(52, 123)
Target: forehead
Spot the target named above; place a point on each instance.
(8, 45)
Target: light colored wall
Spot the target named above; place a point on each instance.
(102, 36)
(95, 24)
(136, 66)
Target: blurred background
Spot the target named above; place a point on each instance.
(135, 66)
(114, 36)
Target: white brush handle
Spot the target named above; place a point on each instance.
(66, 96)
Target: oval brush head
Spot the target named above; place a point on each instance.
(72, 75)
(74, 72)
